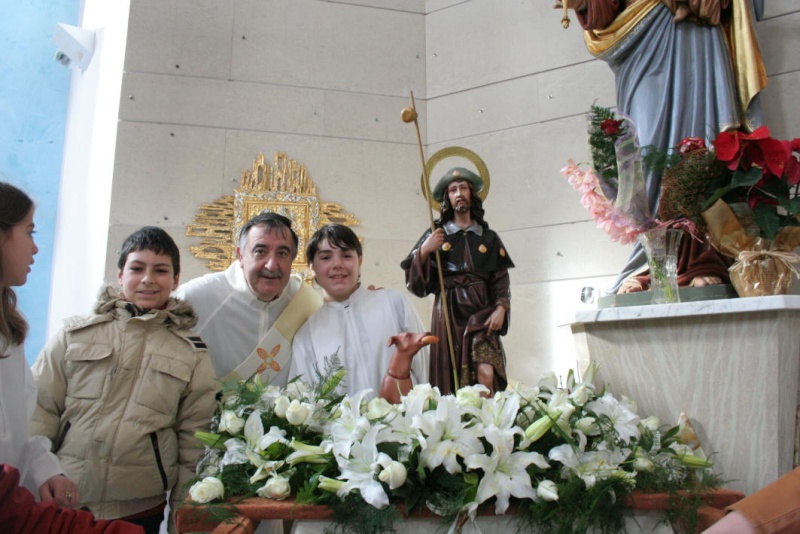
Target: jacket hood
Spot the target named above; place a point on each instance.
(177, 314)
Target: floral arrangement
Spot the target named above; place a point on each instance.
(564, 458)
(753, 169)
(612, 188)
(745, 190)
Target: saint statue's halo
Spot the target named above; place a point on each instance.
(451, 152)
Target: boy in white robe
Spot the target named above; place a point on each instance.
(354, 322)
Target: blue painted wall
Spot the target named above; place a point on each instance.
(34, 92)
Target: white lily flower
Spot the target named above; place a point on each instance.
(505, 472)
(447, 437)
(588, 425)
(351, 425)
(235, 452)
(253, 429)
(589, 466)
(549, 382)
(266, 469)
(275, 435)
(359, 470)
(625, 421)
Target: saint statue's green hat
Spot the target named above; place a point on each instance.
(457, 173)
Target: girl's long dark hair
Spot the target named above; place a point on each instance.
(14, 207)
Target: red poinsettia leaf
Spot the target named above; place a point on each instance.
(727, 147)
(775, 153)
(796, 144)
(792, 171)
(762, 132)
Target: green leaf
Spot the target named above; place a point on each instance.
(768, 220)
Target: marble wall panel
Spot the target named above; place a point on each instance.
(263, 107)
(480, 42)
(481, 110)
(781, 106)
(774, 34)
(182, 38)
(774, 8)
(306, 43)
(412, 6)
(574, 88)
(538, 340)
(163, 172)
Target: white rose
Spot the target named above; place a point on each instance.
(276, 488)
(230, 422)
(470, 396)
(394, 474)
(642, 463)
(547, 490)
(298, 412)
(281, 405)
(207, 490)
(581, 395)
(378, 408)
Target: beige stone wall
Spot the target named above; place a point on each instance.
(210, 83)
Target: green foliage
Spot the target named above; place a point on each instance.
(579, 509)
(601, 144)
(351, 515)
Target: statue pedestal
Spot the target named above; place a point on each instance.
(732, 365)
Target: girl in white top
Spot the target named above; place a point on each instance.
(354, 322)
(40, 471)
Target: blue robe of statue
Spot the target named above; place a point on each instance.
(675, 80)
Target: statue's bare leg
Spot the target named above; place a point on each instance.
(486, 377)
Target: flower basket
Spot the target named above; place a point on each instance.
(763, 267)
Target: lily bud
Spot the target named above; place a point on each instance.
(540, 427)
(547, 490)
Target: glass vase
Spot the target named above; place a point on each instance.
(661, 246)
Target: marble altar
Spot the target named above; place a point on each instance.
(732, 365)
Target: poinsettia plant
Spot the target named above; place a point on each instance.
(763, 172)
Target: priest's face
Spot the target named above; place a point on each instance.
(336, 270)
(460, 195)
(265, 256)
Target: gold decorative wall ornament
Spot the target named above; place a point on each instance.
(283, 188)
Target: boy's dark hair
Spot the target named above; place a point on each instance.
(338, 235)
(151, 238)
(270, 221)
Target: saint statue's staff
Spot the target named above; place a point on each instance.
(410, 115)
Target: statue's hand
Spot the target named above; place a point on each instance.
(432, 243)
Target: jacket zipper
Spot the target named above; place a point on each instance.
(159, 463)
(60, 441)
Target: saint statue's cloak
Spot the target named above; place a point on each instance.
(475, 270)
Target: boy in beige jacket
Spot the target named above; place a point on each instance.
(122, 391)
